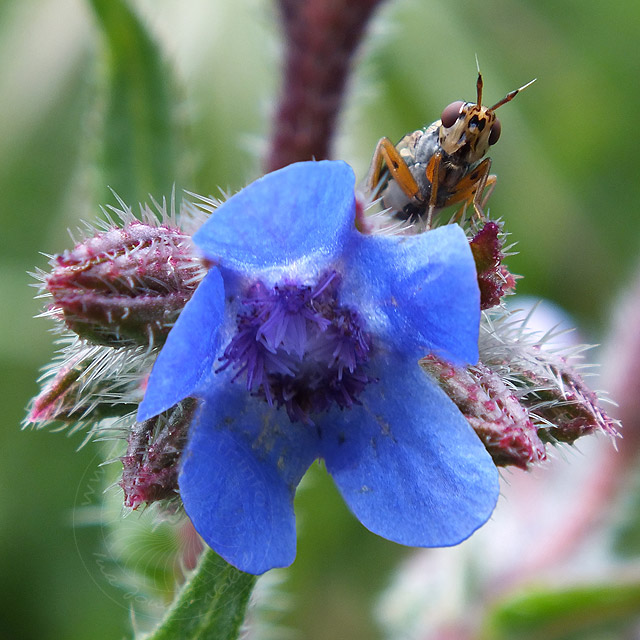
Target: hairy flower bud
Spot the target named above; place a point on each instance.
(124, 286)
(492, 409)
(555, 393)
(494, 279)
(522, 394)
(87, 383)
(61, 398)
(150, 466)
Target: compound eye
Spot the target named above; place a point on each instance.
(496, 130)
(451, 113)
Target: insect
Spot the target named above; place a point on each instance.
(442, 164)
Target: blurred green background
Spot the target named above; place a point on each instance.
(568, 188)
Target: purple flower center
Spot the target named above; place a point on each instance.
(299, 348)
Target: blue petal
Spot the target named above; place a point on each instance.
(188, 356)
(409, 465)
(420, 292)
(240, 469)
(303, 210)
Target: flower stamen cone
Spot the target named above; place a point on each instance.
(299, 348)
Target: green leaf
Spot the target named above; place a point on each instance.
(212, 604)
(579, 613)
(139, 137)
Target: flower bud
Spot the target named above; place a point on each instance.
(87, 383)
(494, 279)
(552, 390)
(124, 286)
(60, 399)
(492, 409)
(150, 466)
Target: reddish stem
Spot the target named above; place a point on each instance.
(321, 37)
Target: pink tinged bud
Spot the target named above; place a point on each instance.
(150, 466)
(565, 407)
(494, 278)
(53, 400)
(65, 398)
(126, 285)
(492, 409)
(86, 383)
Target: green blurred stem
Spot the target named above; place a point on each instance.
(212, 604)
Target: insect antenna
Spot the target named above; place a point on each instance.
(511, 95)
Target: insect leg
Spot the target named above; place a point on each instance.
(386, 153)
(489, 186)
(484, 181)
(433, 174)
(460, 213)
(469, 190)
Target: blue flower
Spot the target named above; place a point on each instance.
(302, 342)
